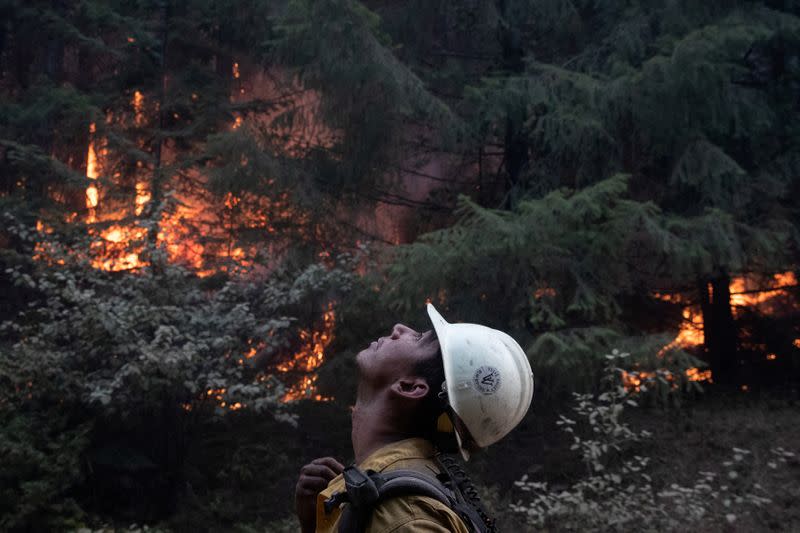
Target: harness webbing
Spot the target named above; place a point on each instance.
(366, 490)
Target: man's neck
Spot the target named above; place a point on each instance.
(374, 426)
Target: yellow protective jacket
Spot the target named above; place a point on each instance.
(401, 514)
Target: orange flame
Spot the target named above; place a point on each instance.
(745, 292)
(635, 380)
(691, 332)
(143, 196)
(695, 374)
(195, 230)
(542, 292)
(92, 173)
(218, 396)
(138, 108)
(308, 358)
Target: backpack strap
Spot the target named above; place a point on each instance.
(366, 490)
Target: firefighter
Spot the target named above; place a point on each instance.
(471, 380)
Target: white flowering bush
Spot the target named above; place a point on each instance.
(617, 492)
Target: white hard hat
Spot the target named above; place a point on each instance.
(488, 379)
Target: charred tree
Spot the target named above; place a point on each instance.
(721, 336)
(157, 181)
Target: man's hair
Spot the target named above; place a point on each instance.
(432, 370)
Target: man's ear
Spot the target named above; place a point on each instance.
(411, 388)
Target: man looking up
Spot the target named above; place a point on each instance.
(479, 377)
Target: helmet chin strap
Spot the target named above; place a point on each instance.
(448, 425)
(443, 394)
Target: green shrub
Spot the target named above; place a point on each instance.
(110, 380)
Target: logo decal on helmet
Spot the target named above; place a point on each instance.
(487, 379)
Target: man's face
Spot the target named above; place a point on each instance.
(394, 357)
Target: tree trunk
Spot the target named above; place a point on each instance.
(719, 329)
(153, 210)
(515, 142)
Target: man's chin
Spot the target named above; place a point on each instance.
(366, 353)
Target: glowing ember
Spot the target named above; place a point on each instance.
(633, 381)
(541, 292)
(91, 197)
(142, 196)
(695, 374)
(308, 358)
(217, 394)
(218, 397)
(138, 108)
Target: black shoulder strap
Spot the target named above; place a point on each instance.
(366, 490)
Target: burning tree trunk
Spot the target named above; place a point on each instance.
(156, 183)
(720, 329)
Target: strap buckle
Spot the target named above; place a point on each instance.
(361, 489)
(336, 499)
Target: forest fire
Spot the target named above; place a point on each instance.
(308, 358)
(745, 292)
(748, 291)
(298, 370)
(637, 381)
(194, 227)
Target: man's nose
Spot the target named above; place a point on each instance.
(400, 329)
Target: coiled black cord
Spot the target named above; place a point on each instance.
(464, 484)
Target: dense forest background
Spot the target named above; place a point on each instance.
(210, 206)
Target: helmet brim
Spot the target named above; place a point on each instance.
(440, 326)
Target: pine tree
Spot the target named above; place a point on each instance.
(697, 104)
